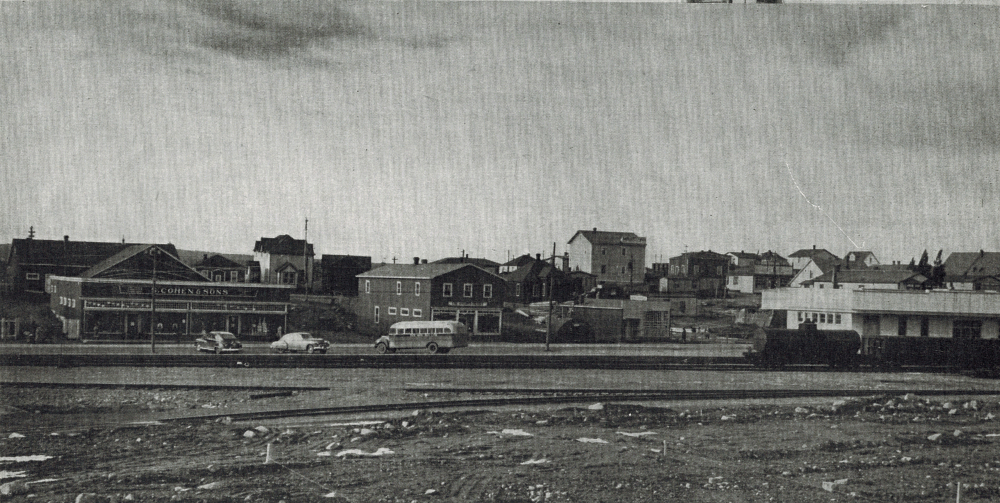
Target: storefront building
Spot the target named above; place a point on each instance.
(127, 295)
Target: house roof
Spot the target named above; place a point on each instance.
(812, 253)
(741, 254)
(597, 237)
(133, 262)
(79, 254)
(283, 245)
(860, 256)
(877, 276)
(702, 255)
(972, 264)
(351, 261)
(417, 271)
(527, 269)
(772, 258)
(481, 262)
(219, 261)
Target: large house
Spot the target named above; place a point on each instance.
(531, 279)
(904, 313)
(702, 273)
(284, 260)
(420, 291)
(483, 263)
(615, 258)
(221, 268)
(753, 273)
(799, 259)
(30, 260)
(972, 271)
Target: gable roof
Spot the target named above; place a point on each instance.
(741, 254)
(972, 264)
(418, 271)
(219, 261)
(812, 253)
(702, 255)
(860, 256)
(531, 267)
(876, 276)
(597, 237)
(135, 263)
(283, 245)
(80, 254)
(481, 262)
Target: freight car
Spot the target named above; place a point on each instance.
(962, 353)
(777, 347)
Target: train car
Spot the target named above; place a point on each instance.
(776, 347)
(955, 352)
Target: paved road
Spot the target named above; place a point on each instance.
(681, 350)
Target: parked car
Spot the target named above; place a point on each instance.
(218, 342)
(300, 341)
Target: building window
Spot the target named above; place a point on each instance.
(392, 310)
(800, 316)
(376, 315)
(416, 289)
(517, 289)
(488, 291)
(288, 278)
(403, 311)
(234, 276)
(218, 278)
(623, 251)
(967, 329)
(446, 290)
(604, 251)
(736, 281)
(31, 276)
(467, 290)
(368, 286)
(623, 270)
(399, 288)
(901, 326)
(418, 313)
(925, 327)
(837, 317)
(604, 269)
(822, 317)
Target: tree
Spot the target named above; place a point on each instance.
(937, 272)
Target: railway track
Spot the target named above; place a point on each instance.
(562, 395)
(425, 361)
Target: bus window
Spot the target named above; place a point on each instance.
(423, 331)
(447, 330)
(392, 331)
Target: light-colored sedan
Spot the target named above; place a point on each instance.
(300, 341)
(218, 342)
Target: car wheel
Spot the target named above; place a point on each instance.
(310, 349)
(432, 347)
(218, 350)
(381, 348)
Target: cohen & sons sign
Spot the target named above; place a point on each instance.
(195, 291)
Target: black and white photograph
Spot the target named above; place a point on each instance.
(499, 251)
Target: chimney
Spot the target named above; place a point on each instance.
(538, 256)
(66, 239)
(416, 260)
(595, 229)
(836, 269)
(204, 257)
(565, 261)
(423, 261)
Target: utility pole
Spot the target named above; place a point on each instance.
(548, 328)
(305, 260)
(154, 252)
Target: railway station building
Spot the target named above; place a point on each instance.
(891, 312)
(124, 296)
(421, 291)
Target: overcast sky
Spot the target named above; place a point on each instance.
(424, 129)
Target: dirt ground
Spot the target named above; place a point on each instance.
(883, 448)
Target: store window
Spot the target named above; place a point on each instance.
(418, 313)
(446, 290)
(467, 290)
(416, 289)
(488, 291)
(403, 311)
(392, 311)
(31, 276)
(368, 286)
(376, 314)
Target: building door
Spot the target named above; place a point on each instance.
(870, 326)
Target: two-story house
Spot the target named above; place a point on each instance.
(702, 273)
(220, 268)
(420, 291)
(530, 279)
(617, 258)
(284, 260)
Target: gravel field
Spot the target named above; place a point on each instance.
(886, 447)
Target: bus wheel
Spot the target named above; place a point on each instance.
(381, 348)
(432, 347)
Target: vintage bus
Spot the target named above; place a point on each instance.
(434, 336)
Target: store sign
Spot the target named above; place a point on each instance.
(467, 304)
(205, 291)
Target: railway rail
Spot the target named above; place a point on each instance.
(556, 396)
(422, 361)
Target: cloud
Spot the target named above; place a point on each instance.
(261, 30)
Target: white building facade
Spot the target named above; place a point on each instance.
(903, 313)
